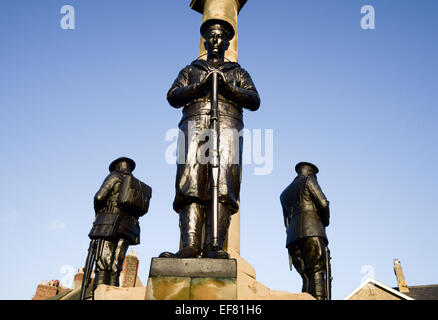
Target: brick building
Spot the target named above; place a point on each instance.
(51, 290)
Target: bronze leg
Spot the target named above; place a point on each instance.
(223, 225)
(117, 261)
(315, 266)
(298, 262)
(103, 263)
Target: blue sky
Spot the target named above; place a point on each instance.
(361, 104)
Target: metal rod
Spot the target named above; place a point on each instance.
(214, 182)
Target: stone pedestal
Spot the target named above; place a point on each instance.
(104, 292)
(248, 288)
(192, 279)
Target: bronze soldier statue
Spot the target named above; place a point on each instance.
(193, 90)
(118, 204)
(306, 215)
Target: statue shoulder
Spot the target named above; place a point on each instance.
(244, 73)
(311, 181)
(283, 194)
(113, 178)
(107, 187)
(186, 70)
(286, 192)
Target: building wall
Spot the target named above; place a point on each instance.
(372, 292)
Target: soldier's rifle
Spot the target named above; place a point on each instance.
(290, 257)
(328, 274)
(214, 161)
(88, 269)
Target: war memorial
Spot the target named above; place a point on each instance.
(213, 92)
(132, 128)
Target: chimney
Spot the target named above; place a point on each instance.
(130, 270)
(45, 290)
(77, 282)
(401, 282)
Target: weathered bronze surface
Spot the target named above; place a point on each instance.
(192, 91)
(306, 215)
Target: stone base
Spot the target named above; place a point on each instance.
(284, 295)
(192, 279)
(196, 279)
(248, 288)
(104, 292)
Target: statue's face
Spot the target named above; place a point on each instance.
(123, 166)
(216, 42)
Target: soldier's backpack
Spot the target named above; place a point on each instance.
(134, 196)
(105, 226)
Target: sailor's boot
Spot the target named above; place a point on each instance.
(223, 225)
(191, 219)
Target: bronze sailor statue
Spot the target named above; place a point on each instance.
(213, 94)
